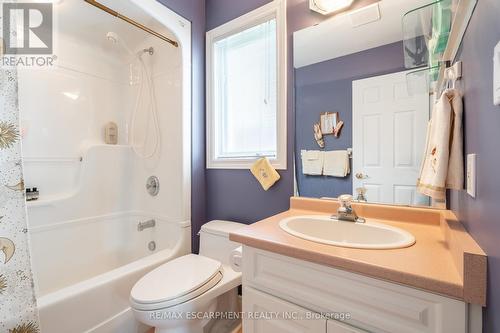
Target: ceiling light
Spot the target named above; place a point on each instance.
(329, 6)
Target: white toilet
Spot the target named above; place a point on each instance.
(177, 296)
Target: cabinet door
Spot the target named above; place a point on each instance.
(268, 314)
(333, 326)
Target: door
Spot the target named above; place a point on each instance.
(266, 314)
(389, 131)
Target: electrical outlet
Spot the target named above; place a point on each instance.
(471, 175)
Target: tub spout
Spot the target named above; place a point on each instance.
(145, 225)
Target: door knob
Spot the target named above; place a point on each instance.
(359, 175)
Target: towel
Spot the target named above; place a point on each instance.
(312, 162)
(265, 173)
(442, 165)
(336, 163)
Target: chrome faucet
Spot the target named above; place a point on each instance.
(145, 225)
(345, 212)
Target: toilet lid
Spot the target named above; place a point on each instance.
(177, 281)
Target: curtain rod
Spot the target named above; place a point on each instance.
(130, 21)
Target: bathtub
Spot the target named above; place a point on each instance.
(84, 269)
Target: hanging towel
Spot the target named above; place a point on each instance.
(336, 163)
(442, 165)
(312, 162)
(265, 173)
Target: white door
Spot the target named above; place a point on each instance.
(389, 130)
(273, 315)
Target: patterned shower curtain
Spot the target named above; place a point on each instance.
(18, 311)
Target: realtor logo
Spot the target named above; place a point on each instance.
(27, 28)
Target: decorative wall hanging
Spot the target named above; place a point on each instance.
(328, 121)
(318, 136)
(338, 128)
(329, 124)
(18, 312)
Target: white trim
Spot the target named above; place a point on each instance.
(277, 9)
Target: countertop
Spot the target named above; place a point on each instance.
(444, 259)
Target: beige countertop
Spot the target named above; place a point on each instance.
(444, 259)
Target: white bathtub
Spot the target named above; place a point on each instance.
(85, 269)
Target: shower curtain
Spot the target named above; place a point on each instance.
(18, 312)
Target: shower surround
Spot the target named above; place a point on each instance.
(87, 250)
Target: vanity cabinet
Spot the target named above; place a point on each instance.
(296, 290)
(282, 316)
(285, 317)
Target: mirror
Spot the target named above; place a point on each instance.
(360, 126)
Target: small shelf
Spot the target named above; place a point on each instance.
(423, 80)
(50, 200)
(426, 31)
(432, 35)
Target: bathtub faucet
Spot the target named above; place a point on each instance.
(145, 225)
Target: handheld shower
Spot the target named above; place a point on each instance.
(145, 91)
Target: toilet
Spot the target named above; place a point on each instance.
(178, 296)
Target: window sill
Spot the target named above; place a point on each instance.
(243, 164)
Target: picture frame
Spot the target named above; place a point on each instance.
(328, 122)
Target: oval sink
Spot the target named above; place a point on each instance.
(325, 230)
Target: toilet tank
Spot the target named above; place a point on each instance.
(214, 240)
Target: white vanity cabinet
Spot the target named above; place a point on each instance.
(284, 317)
(294, 292)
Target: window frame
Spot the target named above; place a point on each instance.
(273, 10)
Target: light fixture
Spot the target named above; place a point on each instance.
(326, 7)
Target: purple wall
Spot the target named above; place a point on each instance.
(327, 86)
(235, 194)
(481, 215)
(194, 11)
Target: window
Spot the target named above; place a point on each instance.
(246, 90)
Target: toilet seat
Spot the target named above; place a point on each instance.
(176, 282)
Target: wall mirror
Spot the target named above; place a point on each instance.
(366, 75)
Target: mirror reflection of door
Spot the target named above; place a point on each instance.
(362, 71)
(389, 127)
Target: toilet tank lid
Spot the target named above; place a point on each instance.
(220, 227)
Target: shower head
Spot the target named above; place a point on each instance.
(116, 40)
(112, 37)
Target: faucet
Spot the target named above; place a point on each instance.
(345, 212)
(145, 225)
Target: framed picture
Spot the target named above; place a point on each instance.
(329, 122)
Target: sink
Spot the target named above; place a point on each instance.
(326, 230)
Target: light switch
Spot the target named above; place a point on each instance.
(471, 175)
(496, 73)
